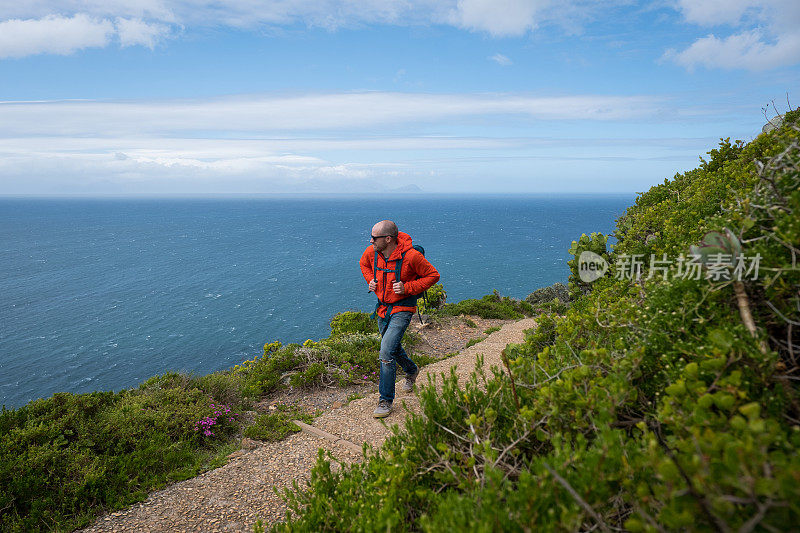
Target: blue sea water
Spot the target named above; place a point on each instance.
(101, 294)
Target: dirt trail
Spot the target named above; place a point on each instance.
(232, 497)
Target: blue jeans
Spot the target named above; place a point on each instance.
(392, 329)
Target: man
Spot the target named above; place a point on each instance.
(392, 251)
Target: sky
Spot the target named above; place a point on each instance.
(178, 97)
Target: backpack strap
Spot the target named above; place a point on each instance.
(409, 301)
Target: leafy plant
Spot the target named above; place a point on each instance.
(217, 419)
(473, 342)
(434, 299)
(556, 291)
(277, 425)
(594, 243)
(353, 323)
(719, 252)
(68, 457)
(490, 306)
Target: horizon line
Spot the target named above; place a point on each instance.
(143, 196)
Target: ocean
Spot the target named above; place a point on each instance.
(101, 294)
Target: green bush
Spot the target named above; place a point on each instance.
(351, 323)
(226, 386)
(554, 306)
(68, 457)
(490, 306)
(65, 459)
(473, 342)
(552, 299)
(435, 297)
(556, 291)
(596, 243)
(277, 425)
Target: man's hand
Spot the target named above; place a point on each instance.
(373, 285)
(398, 287)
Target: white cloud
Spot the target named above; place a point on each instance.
(323, 142)
(748, 50)
(497, 17)
(53, 35)
(715, 12)
(768, 36)
(309, 112)
(146, 9)
(146, 22)
(138, 32)
(500, 59)
(136, 165)
(238, 13)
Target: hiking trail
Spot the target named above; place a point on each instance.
(232, 497)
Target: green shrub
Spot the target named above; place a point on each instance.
(349, 355)
(554, 306)
(595, 243)
(353, 322)
(489, 331)
(490, 306)
(473, 342)
(225, 386)
(68, 457)
(422, 359)
(552, 299)
(435, 297)
(556, 291)
(264, 374)
(277, 425)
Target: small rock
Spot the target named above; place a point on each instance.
(249, 444)
(236, 454)
(337, 404)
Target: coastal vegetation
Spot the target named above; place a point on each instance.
(490, 306)
(664, 398)
(68, 458)
(277, 425)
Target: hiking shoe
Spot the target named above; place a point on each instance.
(408, 382)
(383, 410)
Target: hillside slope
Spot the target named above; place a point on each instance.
(665, 399)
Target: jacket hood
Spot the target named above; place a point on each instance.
(404, 244)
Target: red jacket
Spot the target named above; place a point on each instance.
(416, 273)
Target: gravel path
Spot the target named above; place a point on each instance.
(233, 496)
(354, 422)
